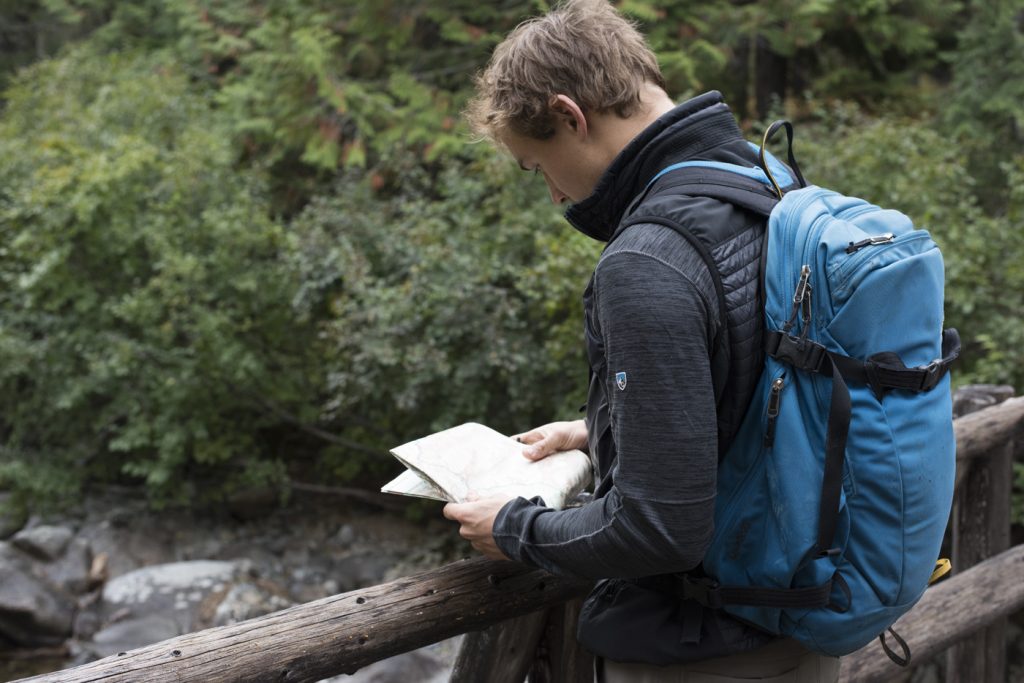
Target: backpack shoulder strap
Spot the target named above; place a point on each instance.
(720, 183)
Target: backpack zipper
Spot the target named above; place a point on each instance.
(870, 241)
(774, 400)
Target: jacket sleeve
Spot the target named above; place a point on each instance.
(657, 326)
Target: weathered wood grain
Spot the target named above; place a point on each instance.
(502, 653)
(949, 611)
(339, 634)
(979, 433)
(981, 529)
(560, 657)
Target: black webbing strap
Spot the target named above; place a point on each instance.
(709, 593)
(835, 454)
(882, 371)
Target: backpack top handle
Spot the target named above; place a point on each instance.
(768, 135)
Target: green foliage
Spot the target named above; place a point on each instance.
(313, 87)
(863, 51)
(434, 315)
(244, 242)
(145, 311)
(35, 29)
(986, 98)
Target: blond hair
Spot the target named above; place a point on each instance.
(583, 49)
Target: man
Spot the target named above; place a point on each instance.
(577, 97)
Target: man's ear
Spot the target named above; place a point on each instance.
(569, 113)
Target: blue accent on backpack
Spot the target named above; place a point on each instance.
(828, 532)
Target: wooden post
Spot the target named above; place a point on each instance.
(560, 657)
(981, 529)
(502, 653)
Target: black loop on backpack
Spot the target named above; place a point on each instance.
(885, 371)
(839, 581)
(900, 661)
(768, 135)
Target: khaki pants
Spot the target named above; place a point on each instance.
(784, 661)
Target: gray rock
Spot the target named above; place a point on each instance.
(45, 542)
(12, 516)
(32, 612)
(86, 623)
(71, 570)
(146, 544)
(175, 591)
(140, 585)
(134, 632)
(247, 601)
(360, 569)
(345, 536)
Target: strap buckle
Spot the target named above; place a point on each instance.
(932, 374)
(798, 352)
(702, 589)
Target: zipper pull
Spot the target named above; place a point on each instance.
(803, 289)
(871, 241)
(774, 400)
(803, 285)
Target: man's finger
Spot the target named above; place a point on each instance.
(452, 511)
(529, 437)
(539, 450)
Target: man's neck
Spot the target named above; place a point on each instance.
(615, 132)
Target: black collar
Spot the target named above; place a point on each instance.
(700, 128)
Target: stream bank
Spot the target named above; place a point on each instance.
(112, 575)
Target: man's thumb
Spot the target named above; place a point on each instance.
(537, 450)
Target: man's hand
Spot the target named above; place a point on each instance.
(553, 438)
(477, 520)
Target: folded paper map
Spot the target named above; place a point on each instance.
(474, 459)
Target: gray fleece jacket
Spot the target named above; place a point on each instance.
(674, 355)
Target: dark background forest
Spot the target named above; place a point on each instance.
(246, 245)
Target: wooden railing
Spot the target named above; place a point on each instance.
(521, 622)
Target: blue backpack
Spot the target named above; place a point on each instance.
(834, 496)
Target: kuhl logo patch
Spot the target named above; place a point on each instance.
(620, 380)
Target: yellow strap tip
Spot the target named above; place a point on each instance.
(942, 567)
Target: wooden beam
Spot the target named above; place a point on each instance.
(981, 529)
(986, 431)
(977, 434)
(339, 634)
(560, 657)
(502, 653)
(948, 612)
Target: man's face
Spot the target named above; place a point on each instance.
(564, 160)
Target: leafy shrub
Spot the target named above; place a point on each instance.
(455, 299)
(145, 310)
